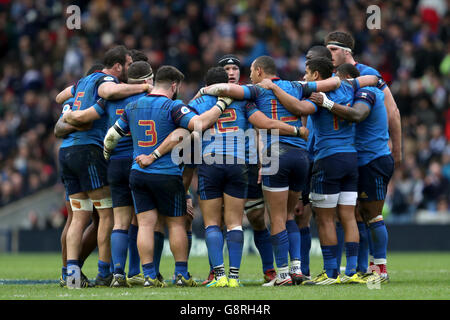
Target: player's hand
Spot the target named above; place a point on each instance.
(298, 210)
(223, 102)
(266, 84)
(84, 127)
(317, 98)
(144, 161)
(106, 153)
(190, 208)
(66, 114)
(303, 133)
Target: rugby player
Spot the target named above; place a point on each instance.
(375, 161)
(118, 173)
(341, 45)
(83, 167)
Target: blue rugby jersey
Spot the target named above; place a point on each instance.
(114, 109)
(150, 120)
(232, 123)
(268, 103)
(365, 70)
(85, 94)
(334, 135)
(372, 135)
(311, 139)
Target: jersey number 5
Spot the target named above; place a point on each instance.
(151, 133)
(77, 103)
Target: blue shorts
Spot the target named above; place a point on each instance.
(336, 173)
(119, 182)
(292, 171)
(83, 168)
(305, 192)
(216, 179)
(374, 178)
(163, 192)
(254, 190)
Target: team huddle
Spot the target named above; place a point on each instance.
(288, 150)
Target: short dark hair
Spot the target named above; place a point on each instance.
(322, 65)
(216, 75)
(168, 74)
(139, 70)
(115, 55)
(95, 67)
(137, 55)
(318, 51)
(342, 38)
(266, 63)
(347, 70)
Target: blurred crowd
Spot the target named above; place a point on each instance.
(40, 56)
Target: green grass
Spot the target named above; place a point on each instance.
(414, 276)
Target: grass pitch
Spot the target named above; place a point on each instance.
(414, 276)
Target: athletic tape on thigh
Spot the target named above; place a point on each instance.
(253, 204)
(348, 198)
(105, 203)
(81, 204)
(324, 200)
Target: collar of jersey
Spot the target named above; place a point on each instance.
(157, 94)
(275, 78)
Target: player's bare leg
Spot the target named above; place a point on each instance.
(101, 198)
(82, 209)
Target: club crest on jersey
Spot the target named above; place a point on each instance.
(185, 110)
(108, 78)
(66, 108)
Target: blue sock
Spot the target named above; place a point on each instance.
(363, 252)
(264, 246)
(149, 270)
(73, 263)
(305, 247)
(104, 268)
(235, 244)
(134, 261)
(369, 240)
(294, 239)
(280, 245)
(351, 253)
(189, 238)
(340, 244)
(380, 240)
(119, 249)
(64, 273)
(181, 267)
(157, 252)
(329, 260)
(214, 243)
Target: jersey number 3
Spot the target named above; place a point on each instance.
(151, 133)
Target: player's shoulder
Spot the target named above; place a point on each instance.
(365, 70)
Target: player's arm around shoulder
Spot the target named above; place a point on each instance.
(231, 90)
(112, 91)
